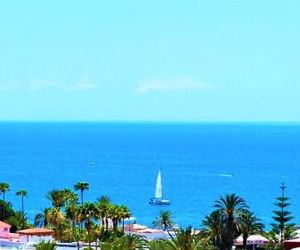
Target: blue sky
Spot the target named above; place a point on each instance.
(150, 60)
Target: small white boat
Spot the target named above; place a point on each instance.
(91, 163)
(158, 197)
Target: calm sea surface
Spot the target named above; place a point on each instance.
(199, 162)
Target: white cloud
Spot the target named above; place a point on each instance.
(83, 84)
(171, 85)
(38, 85)
(41, 85)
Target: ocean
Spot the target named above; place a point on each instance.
(199, 162)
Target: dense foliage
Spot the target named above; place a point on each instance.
(45, 245)
(282, 226)
(103, 222)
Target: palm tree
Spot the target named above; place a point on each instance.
(72, 209)
(18, 221)
(125, 213)
(40, 219)
(164, 221)
(43, 245)
(231, 208)
(55, 216)
(114, 213)
(22, 193)
(6, 210)
(159, 244)
(126, 242)
(214, 229)
(103, 204)
(250, 224)
(4, 187)
(185, 240)
(82, 186)
(132, 242)
(56, 219)
(57, 197)
(88, 213)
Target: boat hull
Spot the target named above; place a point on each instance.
(155, 201)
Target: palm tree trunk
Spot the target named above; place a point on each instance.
(114, 224)
(106, 222)
(81, 223)
(22, 205)
(3, 210)
(88, 231)
(245, 236)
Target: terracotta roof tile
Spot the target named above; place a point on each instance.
(36, 231)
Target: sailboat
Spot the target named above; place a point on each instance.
(158, 198)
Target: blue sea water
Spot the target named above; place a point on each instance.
(199, 163)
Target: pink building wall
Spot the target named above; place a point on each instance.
(4, 230)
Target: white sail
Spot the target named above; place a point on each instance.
(158, 189)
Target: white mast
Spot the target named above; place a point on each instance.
(158, 189)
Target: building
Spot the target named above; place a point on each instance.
(35, 235)
(4, 230)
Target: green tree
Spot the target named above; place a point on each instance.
(164, 221)
(4, 187)
(57, 221)
(126, 242)
(114, 214)
(282, 217)
(159, 244)
(82, 186)
(6, 210)
(57, 197)
(214, 229)
(103, 205)
(55, 216)
(43, 245)
(72, 209)
(185, 240)
(118, 213)
(88, 213)
(125, 213)
(40, 219)
(231, 208)
(18, 221)
(250, 224)
(22, 193)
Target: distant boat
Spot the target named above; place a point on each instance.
(91, 163)
(158, 198)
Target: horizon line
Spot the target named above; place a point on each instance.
(153, 122)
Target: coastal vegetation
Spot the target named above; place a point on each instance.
(282, 218)
(103, 223)
(4, 187)
(82, 186)
(164, 221)
(22, 193)
(44, 245)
